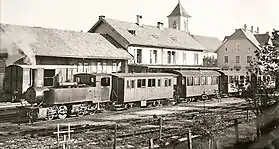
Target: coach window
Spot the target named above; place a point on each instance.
(128, 84)
(197, 81)
(169, 82)
(153, 82)
(166, 82)
(105, 81)
(159, 82)
(203, 80)
(143, 83)
(190, 81)
(214, 80)
(209, 80)
(133, 84)
(139, 83)
(149, 82)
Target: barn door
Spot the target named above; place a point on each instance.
(13, 79)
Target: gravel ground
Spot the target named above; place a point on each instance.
(176, 121)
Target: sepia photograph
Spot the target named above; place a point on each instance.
(139, 74)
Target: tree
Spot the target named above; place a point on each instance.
(209, 61)
(260, 91)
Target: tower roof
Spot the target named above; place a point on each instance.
(179, 11)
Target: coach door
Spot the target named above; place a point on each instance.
(223, 83)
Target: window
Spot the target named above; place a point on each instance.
(159, 82)
(149, 82)
(151, 56)
(166, 82)
(214, 80)
(133, 84)
(174, 25)
(226, 49)
(238, 47)
(104, 67)
(155, 56)
(196, 58)
(190, 81)
(114, 67)
(86, 68)
(105, 81)
(173, 57)
(80, 67)
(226, 59)
(169, 82)
(203, 80)
(141, 83)
(128, 84)
(48, 77)
(99, 67)
(69, 74)
(231, 79)
(133, 32)
(197, 81)
(237, 59)
(241, 79)
(249, 59)
(209, 80)
(139, 56)
(169, 57)
(184, 57)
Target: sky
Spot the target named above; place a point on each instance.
(216, 18)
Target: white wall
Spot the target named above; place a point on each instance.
(162, 56)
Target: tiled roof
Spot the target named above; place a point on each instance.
(251, 37)
(262, 38)
(58, 43)
(179, 11)
(146, 35)
(240, 33)
(210, 43)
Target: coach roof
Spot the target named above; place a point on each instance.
(123, 75)
(58, 43)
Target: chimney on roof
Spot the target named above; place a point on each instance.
(252, 29)
(258, 30)
(160, 25)
(245, 27)
(139, 20)
(101, 17)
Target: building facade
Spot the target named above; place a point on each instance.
(156, 46)
(238, 51)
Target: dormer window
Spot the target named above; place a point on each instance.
(133, 32)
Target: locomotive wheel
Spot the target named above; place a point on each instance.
(82, 110)
(62, 112)
(50, 113)
(92, 109)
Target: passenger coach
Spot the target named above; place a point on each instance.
(142, 89)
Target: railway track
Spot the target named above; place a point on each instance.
(135, 130)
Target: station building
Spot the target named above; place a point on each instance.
(156, 48)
